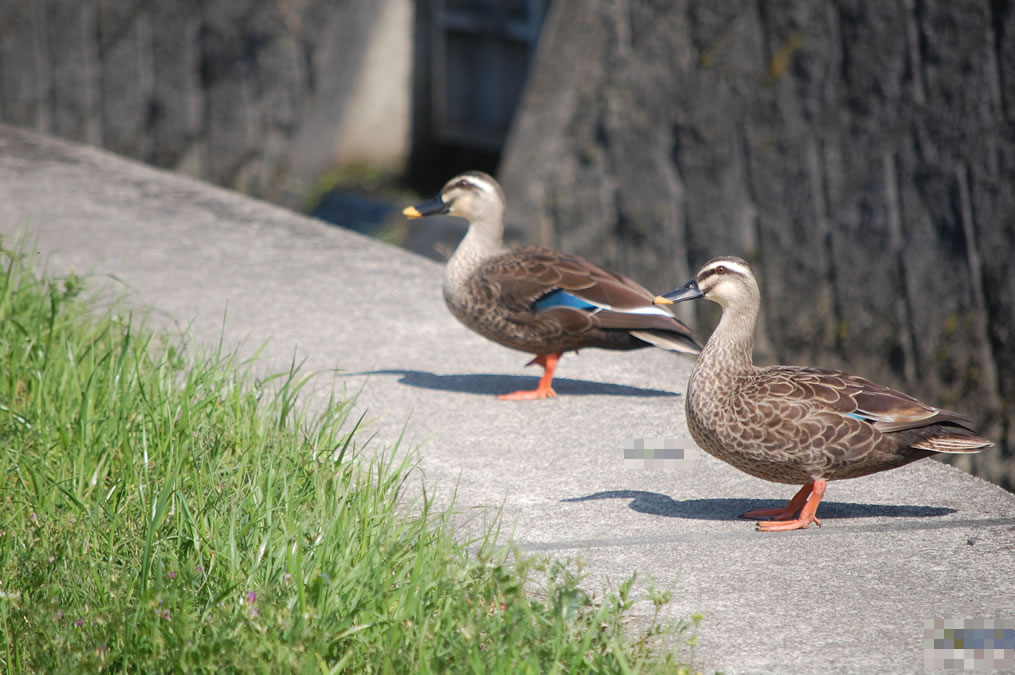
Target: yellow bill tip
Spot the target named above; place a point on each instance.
(411, 212)
(660, 300)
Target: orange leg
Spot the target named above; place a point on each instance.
(544, 390)
(816, 491)
(787, 512)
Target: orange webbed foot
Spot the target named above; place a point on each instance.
(529, 395)
(787, 512)
(805, 502)
(784, 525)
(544, 390)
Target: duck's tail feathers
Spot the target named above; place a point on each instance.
(674, 342)
(953, 444)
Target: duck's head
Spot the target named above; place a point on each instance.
(728, 281)
(472, 195)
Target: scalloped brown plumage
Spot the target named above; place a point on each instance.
(799, 425)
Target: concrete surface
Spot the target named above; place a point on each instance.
(897, 549)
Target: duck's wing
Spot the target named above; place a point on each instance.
(886, 408)
(580, 296)
(837, 406)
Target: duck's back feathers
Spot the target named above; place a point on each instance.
(530, 272)
(543, 301)
(828, 424)
(886, 409)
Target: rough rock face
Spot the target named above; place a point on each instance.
(861, 155)
(237, 92)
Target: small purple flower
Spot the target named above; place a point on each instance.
(166, 615)
(251, 597)
(200, 570)
(35, 518)
(172, 575)
(79, 623)
(255, 612)
(286, 577)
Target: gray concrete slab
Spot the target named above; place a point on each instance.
(897, 549)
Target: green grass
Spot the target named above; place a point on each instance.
(170, 512)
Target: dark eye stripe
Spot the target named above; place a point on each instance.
(710, 272)
(474, 183)
(468, 184)
(718, 270)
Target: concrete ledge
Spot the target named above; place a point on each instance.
(899, 548)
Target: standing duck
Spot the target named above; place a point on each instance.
(797, 425)
(537, 300)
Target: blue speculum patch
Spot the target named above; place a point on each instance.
(561, 298)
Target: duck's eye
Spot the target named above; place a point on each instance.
(721, 269)
(462, 183)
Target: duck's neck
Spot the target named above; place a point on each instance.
(728, 350)
(481, 242)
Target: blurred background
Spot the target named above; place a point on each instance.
(861, 155)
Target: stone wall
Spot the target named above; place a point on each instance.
(860, 154)
(258, 95)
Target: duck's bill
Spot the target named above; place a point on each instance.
(432, 207)
(688, 291)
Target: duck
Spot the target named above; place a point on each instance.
(794, 424)
(538, 300)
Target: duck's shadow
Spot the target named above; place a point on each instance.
(491, 384)
(656, 504)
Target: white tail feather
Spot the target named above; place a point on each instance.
(953, 444)
(670, 342)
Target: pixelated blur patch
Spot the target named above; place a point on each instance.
(657, 453)
(969, 644)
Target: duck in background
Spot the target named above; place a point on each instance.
(538, 300)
